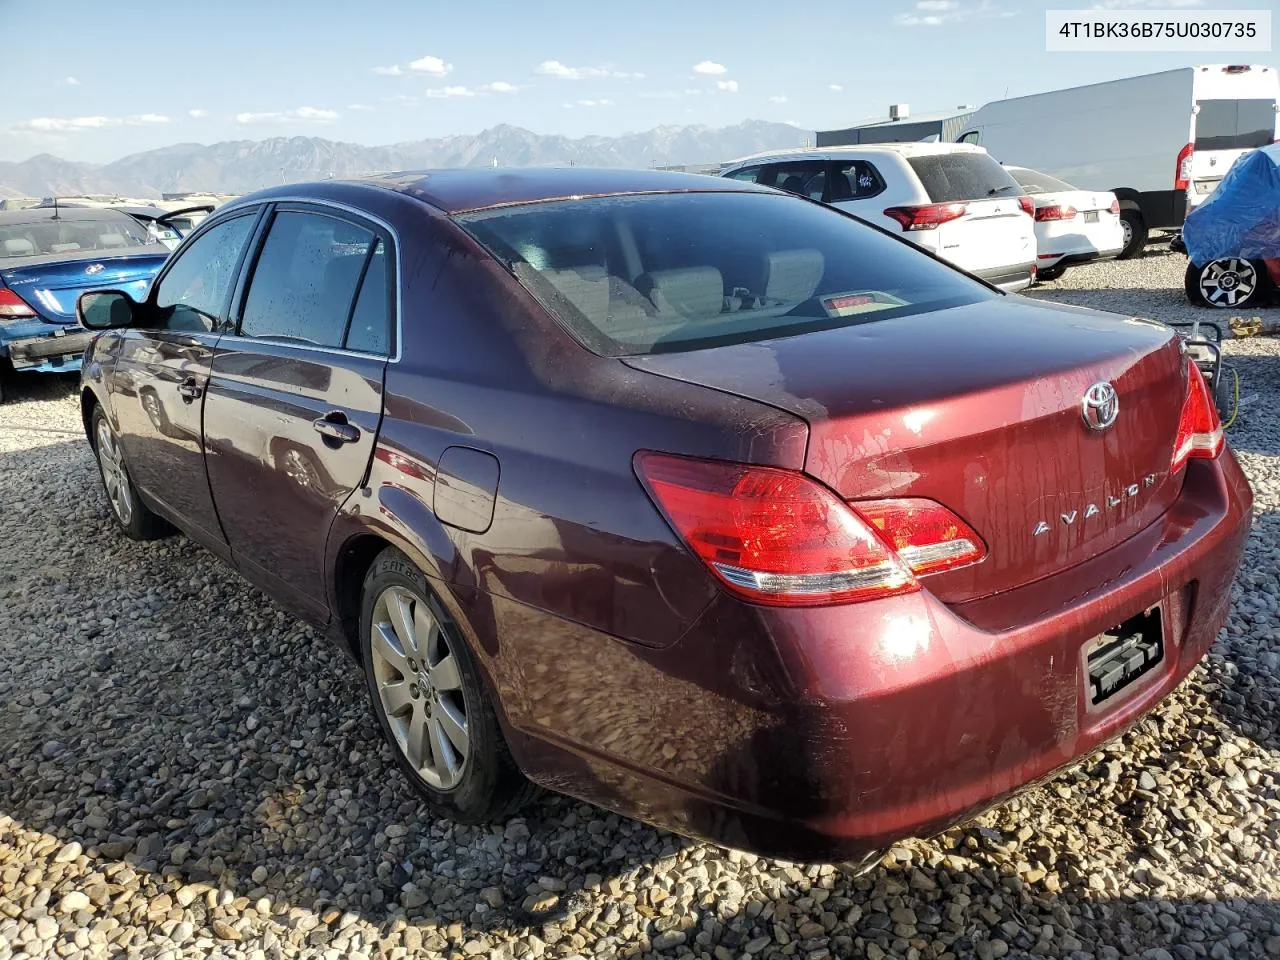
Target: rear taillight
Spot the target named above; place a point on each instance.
(926, 216)
(1115, 207)
(1182, 170)
(13, 307)
(777, 537)
(1199, 428)
(1028, 205)
(1056, 211)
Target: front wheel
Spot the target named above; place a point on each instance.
(1231, 282)
(135, 518)
(430, 700)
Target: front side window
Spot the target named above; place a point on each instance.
(1235, 124)
(806, 179)
(192, 296)
(747, 174)
(964, 175)
(304, 283)
(634, 275)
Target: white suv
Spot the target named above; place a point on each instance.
(950, 198)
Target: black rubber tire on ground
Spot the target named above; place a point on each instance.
(142, 523)
(1224, 392)
(491, 785)
(1137, 234)
(1051, 273)
(1251, 277)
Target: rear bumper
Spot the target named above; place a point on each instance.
(56, 351)
(1010, 279)
(1074, 259)
(823, 734)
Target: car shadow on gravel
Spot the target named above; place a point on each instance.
(205, 751)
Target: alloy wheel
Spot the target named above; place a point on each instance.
(419, 686)
(151, 404)
(1126, 232)
(114, 476)
(1228, 282)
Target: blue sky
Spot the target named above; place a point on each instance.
(382, 71)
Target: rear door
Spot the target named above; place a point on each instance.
(1224, 131)
(157, 383)
(295, 395)
(994, 230)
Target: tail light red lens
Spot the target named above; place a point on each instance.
(13, 307)
(927, 216)
(1182, 169)
(777, 537)
(1056, 211)
(1028, 205)
(1199, 427)
(1115, 207)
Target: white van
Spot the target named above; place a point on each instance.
(951, 199)
(1160, 142)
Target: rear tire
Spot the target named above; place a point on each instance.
(1231, 283)
(134, 517)
(1135, 234)
(430, 699)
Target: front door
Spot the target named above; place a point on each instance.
(159, 378)
(294, 399)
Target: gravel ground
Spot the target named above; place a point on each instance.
(185, 771)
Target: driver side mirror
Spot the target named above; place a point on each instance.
(105, 310)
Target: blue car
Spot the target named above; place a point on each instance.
(48, 257)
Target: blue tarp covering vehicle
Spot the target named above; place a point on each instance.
(1233, 238)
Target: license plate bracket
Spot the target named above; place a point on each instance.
(1120, 657)
(1091, 216)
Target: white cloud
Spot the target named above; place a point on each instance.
(1135, 4)
(937, 5)
(780, 98)
(359, 108)
(936, 13)
(500, 86)
(66, 124)
(197, 113)
(588, 103)
(728, 86)
(391, 71)
(447, 93)
(709, 68)
(300, 115)
(835, 88)
(561, 71)
(146, 119)
(71, 81)
(432, 66)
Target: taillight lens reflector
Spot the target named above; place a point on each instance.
(926, 216)
(1199, 427)
(1115, 207)
(1182, 168)
(1056, 211)
(926, 536)
(13, 307)
(1028, 205)
(778, 537)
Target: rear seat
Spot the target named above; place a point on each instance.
(686, 293)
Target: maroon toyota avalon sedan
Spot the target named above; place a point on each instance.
(702, 502)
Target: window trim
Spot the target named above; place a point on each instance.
(353, 214)
(970, 136)
(248, 210)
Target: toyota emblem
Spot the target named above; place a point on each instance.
(93, 268)
(1101, 406)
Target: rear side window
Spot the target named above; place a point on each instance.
(951, 177)
(808, 179)
(370, 328)
(1235, 124)
(305, 281)
(747, 174)
(634, 275)
(855, 180)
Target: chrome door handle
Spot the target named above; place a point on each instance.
(189, 389)
(335, 429)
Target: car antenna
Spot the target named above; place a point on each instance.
(55, 207)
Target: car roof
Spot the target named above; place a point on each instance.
(855, 150)
(463, 190)
(67, 211)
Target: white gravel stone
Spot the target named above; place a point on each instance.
(130, 674)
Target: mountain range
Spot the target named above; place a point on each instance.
(241, 166)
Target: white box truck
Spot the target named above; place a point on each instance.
(1160, 142)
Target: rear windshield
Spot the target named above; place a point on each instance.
(66, 235)
(1033, 181)
(1235, 124)
(655, 273)
(948, 177)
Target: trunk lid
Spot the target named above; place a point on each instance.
(992, 233)
(979, 408)
(51, 285)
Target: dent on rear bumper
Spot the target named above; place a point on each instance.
(825, 733)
